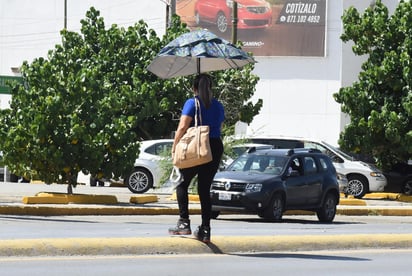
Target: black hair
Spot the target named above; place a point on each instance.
(203, 84)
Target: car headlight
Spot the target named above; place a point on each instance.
(376, 174)
(253, 187)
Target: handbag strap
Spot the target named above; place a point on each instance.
(197, 111)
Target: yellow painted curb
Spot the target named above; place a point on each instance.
(144, 199)
(352, 201)
(41, 210)
(192, 198)
(117, 184)
(405, 198)
(36, 182)
(101, 246)
(60, 198)
(189, 245)
(391, 196)
(92, 199)
(311, 242)
(44, 200)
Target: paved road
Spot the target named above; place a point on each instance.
(315, 236)
(345, 262)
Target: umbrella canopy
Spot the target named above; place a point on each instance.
(197, 52)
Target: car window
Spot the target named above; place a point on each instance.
(310, 165)
(159, 149)
(259, 164)
(295, 165)
(324, 165)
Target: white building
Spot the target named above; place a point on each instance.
(296, 91)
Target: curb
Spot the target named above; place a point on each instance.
(63, 198)
(84, 210)
(187, 245)
(51, 205)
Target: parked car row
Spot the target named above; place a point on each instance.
(362, 177)
(354, 177)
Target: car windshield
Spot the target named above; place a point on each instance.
(345, 155)
(259, 163)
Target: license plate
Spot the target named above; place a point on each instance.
(225, 196)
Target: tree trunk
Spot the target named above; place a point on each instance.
(70, 189)
(72, 182)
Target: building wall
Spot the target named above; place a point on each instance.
(297, 92)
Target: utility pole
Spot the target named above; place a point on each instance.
(234, 23)
(170, 11)
(173, 7)
(65, 14)
(167, 14)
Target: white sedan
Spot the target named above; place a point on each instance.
(147, 171)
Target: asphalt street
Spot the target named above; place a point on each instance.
(18, 199)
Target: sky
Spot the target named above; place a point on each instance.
(29, 29)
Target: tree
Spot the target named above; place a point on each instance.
(85, 107)
(380, 102)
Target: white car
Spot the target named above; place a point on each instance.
(362, 177)
(147, 171)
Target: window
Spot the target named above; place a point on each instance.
(323, 164)
(159, 149)
(310, 165)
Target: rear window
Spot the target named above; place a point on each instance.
(159, 149)
(325, 164)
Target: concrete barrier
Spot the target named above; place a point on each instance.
(188, 245)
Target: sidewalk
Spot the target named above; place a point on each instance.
(160, 202)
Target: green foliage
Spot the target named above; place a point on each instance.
(86, 106)
(380, 102)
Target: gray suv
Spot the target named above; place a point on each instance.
(270, 181)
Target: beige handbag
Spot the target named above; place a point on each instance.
(193, 149)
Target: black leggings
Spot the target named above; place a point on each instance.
(205, 173)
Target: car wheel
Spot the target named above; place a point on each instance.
(407, 187)
(139, 181)
(215, 214)
(221, 22)
(357, 186)
(328, 210)
(274, 210)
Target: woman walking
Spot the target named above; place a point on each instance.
(212, 114)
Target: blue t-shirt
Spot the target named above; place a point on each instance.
(212, 117)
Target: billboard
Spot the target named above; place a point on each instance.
(266, 27)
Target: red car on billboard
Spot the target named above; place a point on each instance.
(252, 14)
